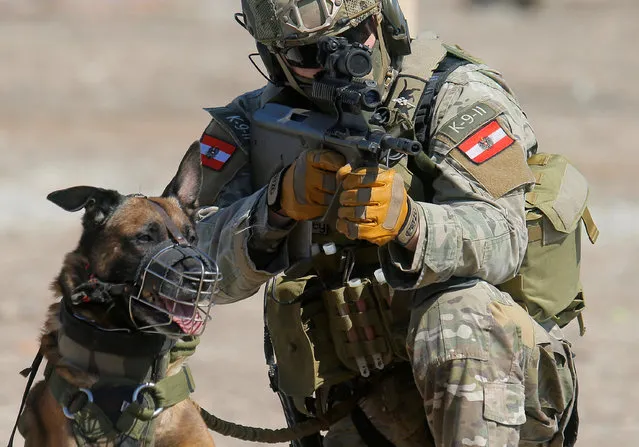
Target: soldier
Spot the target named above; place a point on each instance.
(392, 302)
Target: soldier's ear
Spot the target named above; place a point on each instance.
(98, 203)
(186, 184)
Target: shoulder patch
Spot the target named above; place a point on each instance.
(234, 123)
(215, 152)
(499, 165)
(486, 142)
(467, 122)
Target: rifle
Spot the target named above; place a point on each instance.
(352, 125)
(349, 100)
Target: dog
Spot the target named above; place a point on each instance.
(133, 294)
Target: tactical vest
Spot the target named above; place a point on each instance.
(331, 317)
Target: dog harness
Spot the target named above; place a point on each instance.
(132, 389)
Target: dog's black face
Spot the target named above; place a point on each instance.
(121, 235)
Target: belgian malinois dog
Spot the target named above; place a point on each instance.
(132, 295)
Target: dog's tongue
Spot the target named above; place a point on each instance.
(189, 326)
(184, 318)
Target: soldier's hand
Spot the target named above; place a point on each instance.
(375, 206)
(309, 184)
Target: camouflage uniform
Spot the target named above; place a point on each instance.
(485, 372)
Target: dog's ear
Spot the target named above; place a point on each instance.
(186, 184)
(98, 203)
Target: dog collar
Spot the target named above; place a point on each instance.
(123, 343)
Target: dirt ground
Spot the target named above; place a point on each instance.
(110, 93)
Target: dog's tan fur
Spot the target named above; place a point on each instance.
(43, 423)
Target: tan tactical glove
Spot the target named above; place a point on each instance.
(308, 185)
(375, 206)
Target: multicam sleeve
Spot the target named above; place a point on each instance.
(475, 225)
(234, 229)
(226, 233)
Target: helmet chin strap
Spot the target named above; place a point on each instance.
(290, 77)
(387, 74)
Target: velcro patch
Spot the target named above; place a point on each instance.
(499, 172)
(466, 122)
(486, 142)
(215, 152)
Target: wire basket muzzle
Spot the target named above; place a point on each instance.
(177, 284)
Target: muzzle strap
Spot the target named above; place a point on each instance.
(170, 225)
(96, 291)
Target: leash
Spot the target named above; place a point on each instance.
(226, 428)
(31, 372)
(309, 427)
(273, 436)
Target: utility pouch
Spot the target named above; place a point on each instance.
(356, 324)
(394, 309)
(548, 284)
(299, 327)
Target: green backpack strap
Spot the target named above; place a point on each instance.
(422, 77)
(458, 51)
(591, 228)
(424, 72)
(427, 52)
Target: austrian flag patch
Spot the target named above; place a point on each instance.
(215, 152)
(486, 142)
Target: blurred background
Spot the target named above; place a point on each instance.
(110, 93)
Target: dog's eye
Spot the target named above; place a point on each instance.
(144, 238)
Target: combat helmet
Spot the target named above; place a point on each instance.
(284, 27)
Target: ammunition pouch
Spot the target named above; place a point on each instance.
(320, 335)
(299, 330)
(356, 326)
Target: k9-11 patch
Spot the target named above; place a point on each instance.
(215, 152)
(485, 143)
